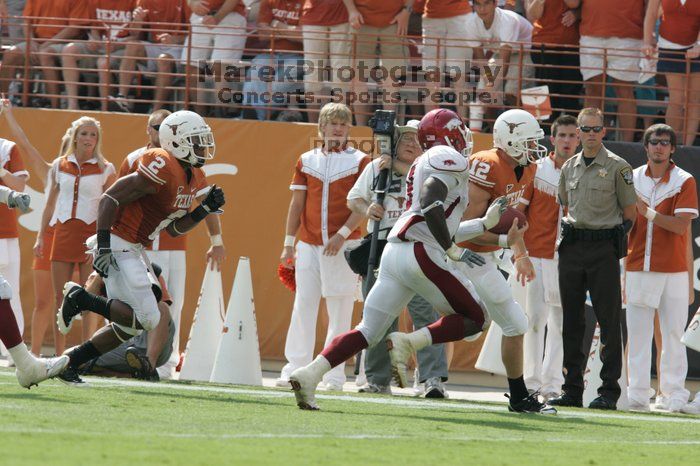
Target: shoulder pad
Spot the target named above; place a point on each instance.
(445, 158)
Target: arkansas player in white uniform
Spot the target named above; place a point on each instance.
(419, 258)
(30, 369)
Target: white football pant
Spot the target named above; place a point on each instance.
(646, 292)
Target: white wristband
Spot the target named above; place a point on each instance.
(216, 240)
(650, 214)
(3, 172)
(503, 241)
(344, 232)
(289, 241)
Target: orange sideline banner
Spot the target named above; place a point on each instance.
(254, 164)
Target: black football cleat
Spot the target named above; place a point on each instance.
(71, 377)
(69, 308)
(140, 365)
(530, 404)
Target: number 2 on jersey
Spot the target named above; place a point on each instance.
(156, 164)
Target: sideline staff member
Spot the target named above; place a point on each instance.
(597, 187)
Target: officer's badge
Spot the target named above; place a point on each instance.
(602, 173)
(626, 173)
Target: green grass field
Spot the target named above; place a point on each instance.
(128, 422)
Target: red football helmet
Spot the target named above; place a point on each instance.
(442, 127)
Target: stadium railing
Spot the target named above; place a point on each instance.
(408, 95)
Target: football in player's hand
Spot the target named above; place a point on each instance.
(506, 221)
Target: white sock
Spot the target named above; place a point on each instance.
(21, 355)
(420, 338)
(320, 365)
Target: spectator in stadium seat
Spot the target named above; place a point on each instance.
(679, 38)
(554, 40)
(614, 34)
(217, 41)
(326, 34)
(444, 50)
(499, 34)
(278, 23)
(380, 30)
(659, 272)
(15, 26)
(110, 19)
(318, 212)
(157, 53)
(58, 22)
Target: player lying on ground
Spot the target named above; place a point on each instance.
(420, 259)
(157, 194)
(139, 356)
(30, 369)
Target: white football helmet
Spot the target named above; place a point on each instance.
(518, 133)
(185, 133)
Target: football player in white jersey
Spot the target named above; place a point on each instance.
(419, 259)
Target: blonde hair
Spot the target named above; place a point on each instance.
(590, 111)
(69, 140)
(158, 114)
(334, 112)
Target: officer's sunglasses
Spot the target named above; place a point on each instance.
(588, 129)
(657, 142)
(156, 127)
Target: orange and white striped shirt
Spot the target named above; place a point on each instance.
(492, 173)
(327, 180)
(652, 248)
(11, 161)
(542, 209)
(80, 187)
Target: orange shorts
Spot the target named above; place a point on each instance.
(44, 262)
(69, 241)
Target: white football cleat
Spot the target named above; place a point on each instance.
(400, 351)
(304, 382)
(40, 369)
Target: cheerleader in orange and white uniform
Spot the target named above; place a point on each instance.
(80, 174)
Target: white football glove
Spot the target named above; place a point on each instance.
(19, 200)
(467, 256)
(494, 212)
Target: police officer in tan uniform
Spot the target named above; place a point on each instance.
(597, 188)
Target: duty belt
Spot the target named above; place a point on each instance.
(593, 235)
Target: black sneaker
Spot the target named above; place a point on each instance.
(71, 377)
(530, 404)
(69, 308)
(140, 365)
(566, 400)
(603, 402)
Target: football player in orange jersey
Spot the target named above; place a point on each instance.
(157, 194)
(504, 170)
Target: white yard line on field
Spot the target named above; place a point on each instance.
(380, 400)
(17, 429)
